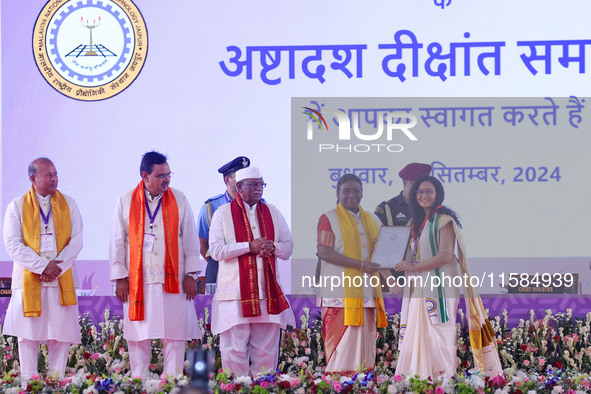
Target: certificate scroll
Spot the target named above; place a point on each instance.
(391, 246)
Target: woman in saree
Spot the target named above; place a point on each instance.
(427, 336)
(350, 315)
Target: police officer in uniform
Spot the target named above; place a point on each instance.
(395, 212)
(227, 170)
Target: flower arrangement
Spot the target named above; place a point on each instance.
(551, 355)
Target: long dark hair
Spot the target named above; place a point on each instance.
(418, 213)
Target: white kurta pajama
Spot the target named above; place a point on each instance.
(58, 325)
(243, 338)
(170, 317)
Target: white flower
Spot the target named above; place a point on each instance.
(392, 389)
(152, 385)
(90, 390)
(284, 378)
(448, 385)
(302, 359)
(245, 380)
(476, 381)
(557, 389)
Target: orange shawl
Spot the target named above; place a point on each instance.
(137, 219)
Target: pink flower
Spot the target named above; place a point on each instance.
(95, 356)
(439, 390)
(336, 386)
(386, 364)
(586, 383)
(152, 367)
(308, 350)
(162, 383)
(542, 361)
(264, 384)
(295, 382)
(227, 386)
(65, 381)
(121, 351)
(397, 378)
(526, 363)
(35, 377)
(429, 391)
(8, 356)
(105, 347)
(117, 369)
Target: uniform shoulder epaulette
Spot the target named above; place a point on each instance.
(213, 198)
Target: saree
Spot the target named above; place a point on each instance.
(427, 335)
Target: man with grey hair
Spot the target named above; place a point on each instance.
(249, 308)
(43, 236)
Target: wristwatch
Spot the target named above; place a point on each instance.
(193, 275)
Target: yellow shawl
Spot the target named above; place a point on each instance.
(32, 238)
(352, 248)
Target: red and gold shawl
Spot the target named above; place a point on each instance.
(247, 263)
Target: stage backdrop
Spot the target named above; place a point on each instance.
(204, 82)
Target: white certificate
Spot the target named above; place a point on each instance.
(391, 245)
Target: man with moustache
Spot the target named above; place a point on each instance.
(154, 257)
(249, 307)
(43, 235)
(228, 171)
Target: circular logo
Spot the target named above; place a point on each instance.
(90, 49)
(401, 331)
(430, 304)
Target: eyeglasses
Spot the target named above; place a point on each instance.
(164, 176)
(428, 192)
(255, 184)
(351, 192)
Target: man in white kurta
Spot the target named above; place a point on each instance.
(57, 325)
(254, 338)
(167, 315)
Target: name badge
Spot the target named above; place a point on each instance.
(149, 242)
(46, 242)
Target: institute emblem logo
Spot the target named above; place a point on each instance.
(90, 49)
